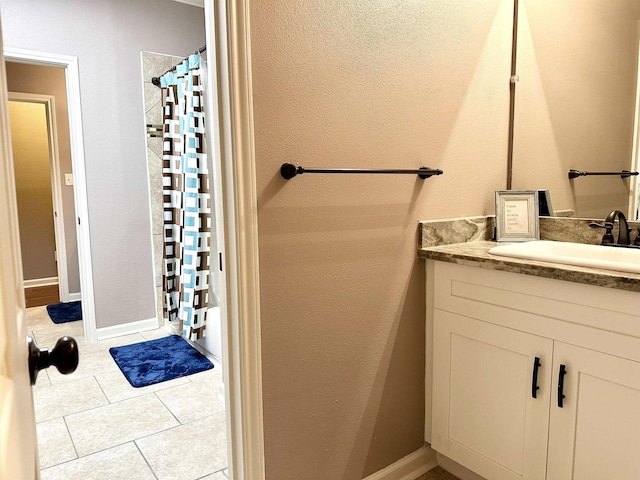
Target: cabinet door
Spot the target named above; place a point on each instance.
(484, 413)
(596, 433)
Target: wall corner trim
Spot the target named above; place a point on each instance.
(241, 344)
(127, 328)
(409, 467)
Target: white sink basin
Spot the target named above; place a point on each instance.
(595, 256)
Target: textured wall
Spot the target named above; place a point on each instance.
(107, 36)
(51, 81)
(575, 102)
(363, 84)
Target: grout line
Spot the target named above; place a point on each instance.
(70, 382)
(145, 459)
(103, 392)
(168, 409)
(73, 444)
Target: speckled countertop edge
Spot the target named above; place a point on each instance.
(476, 253)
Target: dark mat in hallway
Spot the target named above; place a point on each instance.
(159, 360)
(65, 312)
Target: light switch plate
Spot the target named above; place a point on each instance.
(68, 178)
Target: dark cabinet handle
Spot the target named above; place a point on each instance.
(64, 355)
(534, 381)
(561, 374)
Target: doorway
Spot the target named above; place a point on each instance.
(49, 248)
(67, 66)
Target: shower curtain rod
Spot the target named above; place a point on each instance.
(156, 80)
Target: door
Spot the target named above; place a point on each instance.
(595, 434)
(484, 414)
(18, 448)
(39, 194)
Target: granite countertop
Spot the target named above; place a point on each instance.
(476, 253)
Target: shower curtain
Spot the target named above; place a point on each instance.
(186, 200)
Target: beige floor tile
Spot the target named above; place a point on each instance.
(54, 443)
(72, 397)
(123, 462)
(209, 454)
(47, 337)
(119, 341)
(117, 388)
(105, 427)
(91, 363)
(192, 401)
(153, 334)
(38, 316)
(47, 334)
(215, 476)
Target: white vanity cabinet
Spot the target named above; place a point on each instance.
(484, 416)
(495, 408)
(596, 435)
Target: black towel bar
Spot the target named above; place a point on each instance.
(288, 171)
(577, 173)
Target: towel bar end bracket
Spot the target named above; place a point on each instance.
(289, 170)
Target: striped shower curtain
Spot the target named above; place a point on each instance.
(186, 200)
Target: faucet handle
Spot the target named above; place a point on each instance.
(608, 235)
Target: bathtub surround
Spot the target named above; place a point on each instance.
(154, 65)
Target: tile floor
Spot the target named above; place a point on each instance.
(93, 425)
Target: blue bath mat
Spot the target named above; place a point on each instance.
(65, 312)
(159, 360)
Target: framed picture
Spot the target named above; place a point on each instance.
(517, 216)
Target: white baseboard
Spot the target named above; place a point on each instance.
(75, 297)
(127, 328)
(40, 282)
(408, 468)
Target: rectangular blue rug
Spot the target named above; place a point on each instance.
(159, 360)
(65, 312)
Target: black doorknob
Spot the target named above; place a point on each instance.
(64, 356)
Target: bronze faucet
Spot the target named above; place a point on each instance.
(623, 231)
